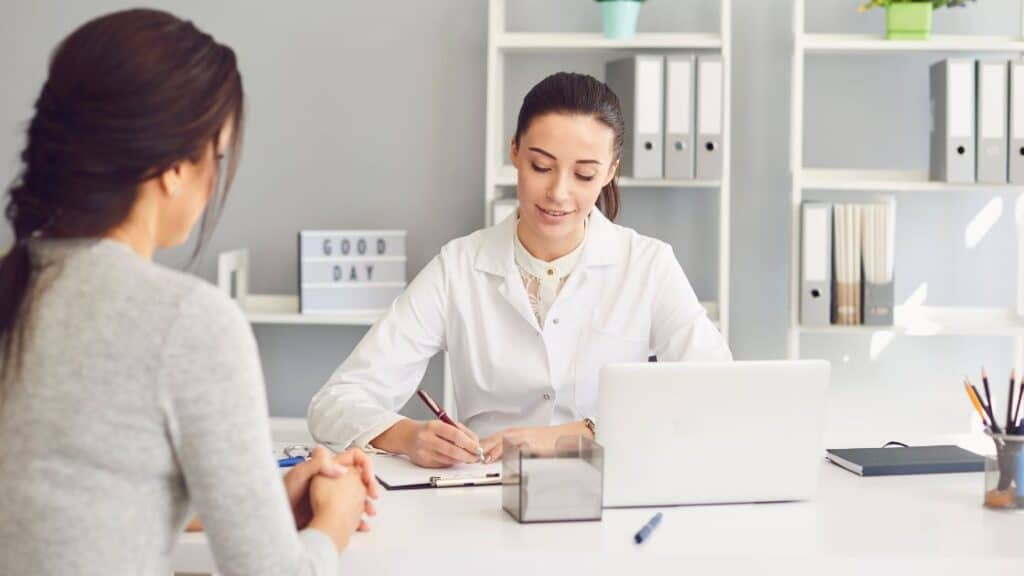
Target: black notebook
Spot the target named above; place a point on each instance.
(913, 460)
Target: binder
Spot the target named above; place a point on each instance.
(710, 139)
(637, 81)
(992, 121)
(847, 269)
(878, 248)
(816, 264)
(952, 130)
(1015, 154)
(680, 94)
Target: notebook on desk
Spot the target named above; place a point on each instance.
(912, 460)
(398, 473)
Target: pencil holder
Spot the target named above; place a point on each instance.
(558, 485)
(1004, 474)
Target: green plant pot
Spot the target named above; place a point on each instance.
(620, 18)
(908, 21)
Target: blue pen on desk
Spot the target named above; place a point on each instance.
(645, 532)
(289, 462)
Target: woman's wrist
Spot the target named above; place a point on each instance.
(578, 428)
(330, 524)
(396, 439)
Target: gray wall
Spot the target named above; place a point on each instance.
(372, 115)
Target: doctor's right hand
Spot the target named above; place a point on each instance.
(431, 444)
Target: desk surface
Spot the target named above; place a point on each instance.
(934, 521)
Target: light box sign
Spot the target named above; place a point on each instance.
(350, 270)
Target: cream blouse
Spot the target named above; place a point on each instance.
(543, 280)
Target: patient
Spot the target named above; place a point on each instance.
(131, 395)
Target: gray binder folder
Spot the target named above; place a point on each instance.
(1016, 151)
(952, 135)
(991, 126)
(680, 94)
(816, 264)
(878, 259)
(710, 137)
(637, 81)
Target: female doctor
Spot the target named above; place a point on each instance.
(529, 309)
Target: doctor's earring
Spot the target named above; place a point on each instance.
(175, 191)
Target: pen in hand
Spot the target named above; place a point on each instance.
(443, 417)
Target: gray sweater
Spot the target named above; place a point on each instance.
(140, 402)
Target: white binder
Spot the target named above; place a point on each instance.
(1015, 154)
(710, 139)
(816, 264)
(679, 116)
(952, 135)
(992, 121)
(637, 81)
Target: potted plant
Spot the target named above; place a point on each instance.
(910, 19)
(619, 17)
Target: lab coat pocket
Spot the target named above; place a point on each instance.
(600, 347)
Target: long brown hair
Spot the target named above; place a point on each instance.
(128, 96)
(571, 93)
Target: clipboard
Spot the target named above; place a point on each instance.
(398, 473)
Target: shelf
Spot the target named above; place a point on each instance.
(284, 309)
(275, 309)
(537, 41)
(891, 181)
(874, 43)
(938, 321)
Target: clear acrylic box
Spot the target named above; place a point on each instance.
(562, 484)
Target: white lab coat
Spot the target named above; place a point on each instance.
(626, 298)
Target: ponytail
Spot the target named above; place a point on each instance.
(608, 201)
(128, 95)
(27, 217)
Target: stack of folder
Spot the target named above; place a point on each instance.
(847, 263)
(977, 130)
(672, 107)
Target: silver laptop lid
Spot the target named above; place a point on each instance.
(702, 433)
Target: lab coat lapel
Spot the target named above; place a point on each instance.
(495, 257)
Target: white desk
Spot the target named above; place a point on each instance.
(904, 524)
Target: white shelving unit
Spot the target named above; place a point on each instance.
(284, 309)
(909, 320)
(874, 43)
(499, 175)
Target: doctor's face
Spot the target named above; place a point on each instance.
(564, 160)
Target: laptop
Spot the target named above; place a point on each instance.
(711, 433)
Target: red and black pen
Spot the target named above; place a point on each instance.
(443, 417)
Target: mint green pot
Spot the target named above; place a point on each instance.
(619, 18)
